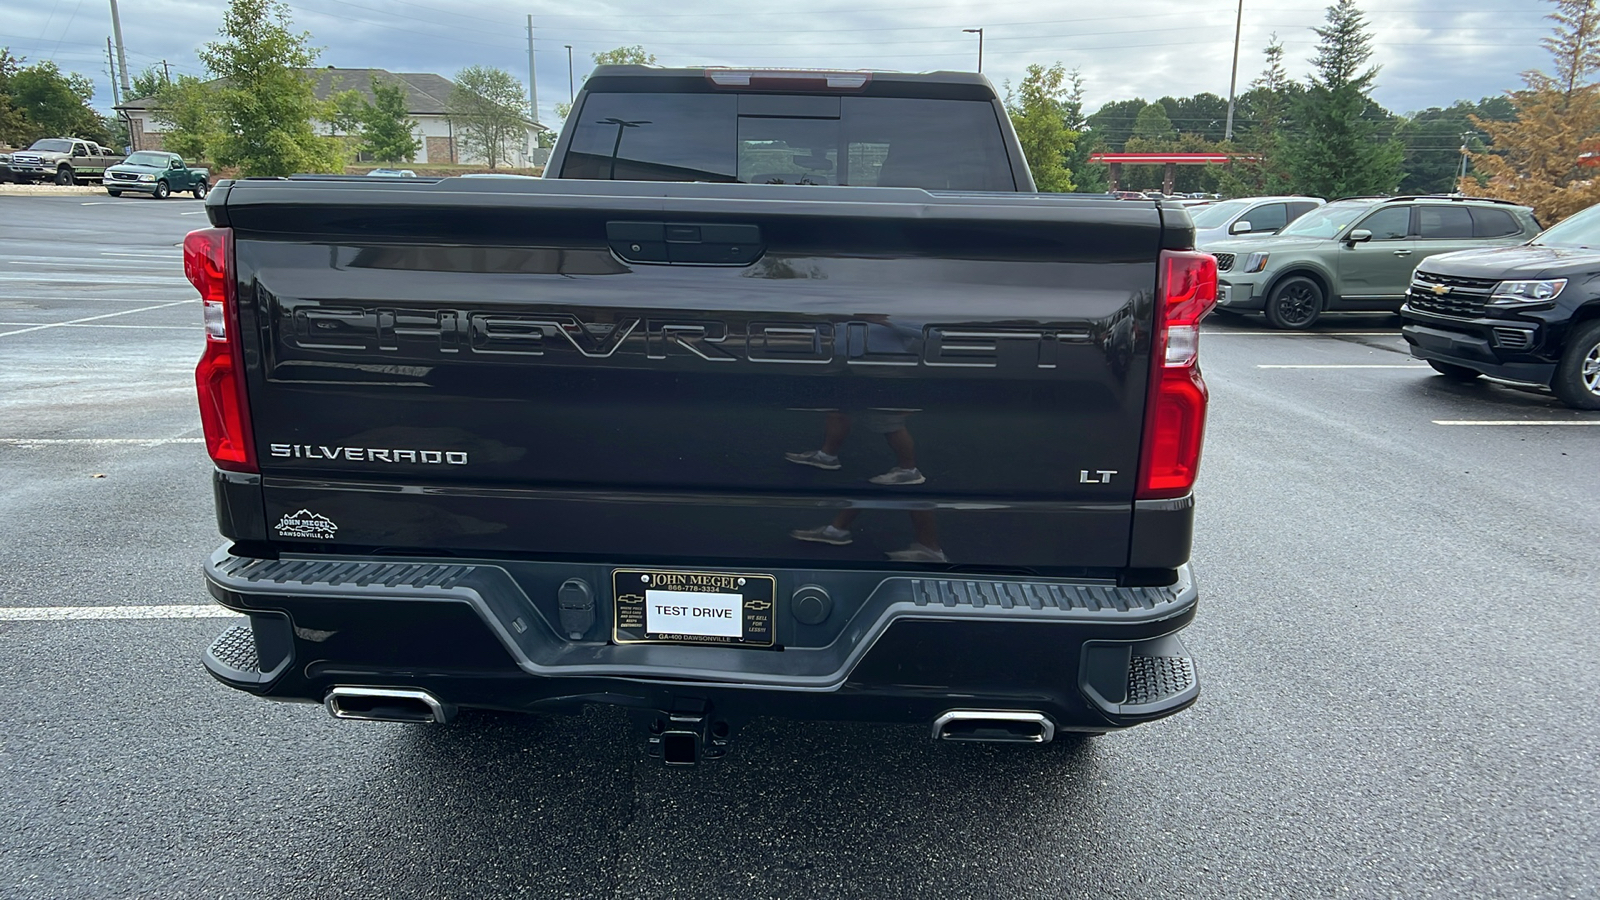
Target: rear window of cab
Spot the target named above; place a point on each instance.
(790, 139)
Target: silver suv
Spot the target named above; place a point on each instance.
(1356, 255)
(1248, 215)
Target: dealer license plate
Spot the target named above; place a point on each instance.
(658, 606)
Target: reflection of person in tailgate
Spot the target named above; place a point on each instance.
(891, 423)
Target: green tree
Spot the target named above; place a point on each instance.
(13, 122)
(1204, 114)
(386, 129)
(625, 56)
(345, 110)
(486, 106)
(263, 99)
(1538, 158)
(1153, 124)
(1036, 114)
(147, 83)
(1113, 122)
(1088, 177)
(188, 109)
(1261, 133)
(1339, 149)
(1433, 139)
(54, 104)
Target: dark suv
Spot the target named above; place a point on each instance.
(1528, 313)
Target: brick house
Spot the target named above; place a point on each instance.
(426, 98)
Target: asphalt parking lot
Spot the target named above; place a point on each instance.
(1396, 637)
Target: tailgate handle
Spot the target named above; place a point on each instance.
(685, 243)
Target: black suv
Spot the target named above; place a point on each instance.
(1528, 313)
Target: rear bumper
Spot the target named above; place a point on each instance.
(892, 647)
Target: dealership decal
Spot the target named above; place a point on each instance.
(306, 524)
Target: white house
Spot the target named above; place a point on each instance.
(426, 98)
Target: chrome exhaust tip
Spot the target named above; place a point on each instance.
(375, 704)
(1004, 726)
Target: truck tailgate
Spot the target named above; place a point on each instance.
(618, 370)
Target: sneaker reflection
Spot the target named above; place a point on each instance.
(891, 423)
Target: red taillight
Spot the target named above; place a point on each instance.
(1175, 417)
(219, 378)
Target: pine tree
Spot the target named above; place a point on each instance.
(1269, 98)
(1087, 177)
(1543, 158)
(1337, 150)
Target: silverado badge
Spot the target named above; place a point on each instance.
(1439, 290)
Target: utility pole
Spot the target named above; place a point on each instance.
(570, 95)
(1233, 79)
(1465, 136)
(533, 90)
(979, 33)
(122, 55)
(166, 72)
(111, 66)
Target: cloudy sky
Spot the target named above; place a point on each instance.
(1432, 52)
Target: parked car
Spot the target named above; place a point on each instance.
(1529, 313)
(1356, 255)
(1249, 215)
(5, 166)
(62, 161)
(605, 460)
(157, 173)
(393, 173)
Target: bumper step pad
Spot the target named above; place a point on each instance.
(356, 574)
(236, 649)
(1155, 679)
(951, 593)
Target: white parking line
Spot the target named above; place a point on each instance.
(89, 276)
(126, 312)
(140, 442)
(108, 325)
(75, 261)
(65, 613)
(1396, 336)
(60, 299)
(1343, 366)
(1503, 422)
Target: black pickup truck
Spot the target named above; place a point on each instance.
(822, 413)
